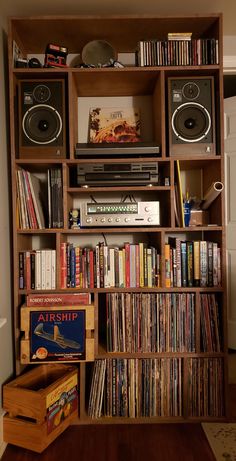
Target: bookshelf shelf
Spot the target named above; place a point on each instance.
(190, 168)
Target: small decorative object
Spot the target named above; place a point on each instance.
(98, 53)
(74, 218)
(55, 56)
(187, 210)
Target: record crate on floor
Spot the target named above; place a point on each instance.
(40, 405)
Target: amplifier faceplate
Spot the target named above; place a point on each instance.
(117, 214)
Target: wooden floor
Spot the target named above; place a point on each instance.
(149, 442)
(164, 442)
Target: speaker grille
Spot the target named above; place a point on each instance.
(42, 124)
(191, 122)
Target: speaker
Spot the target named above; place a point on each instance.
(42, 130)
(191, 116)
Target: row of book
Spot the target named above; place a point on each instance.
(192, 263)
(32, 194)
(134, 265)
(154, 388)
(150, 322)
(206, 387)
(136, 387)
(37, 270)
(178, 52)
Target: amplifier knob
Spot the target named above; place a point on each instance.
(117, 219)
(150, 219)
(103, 220)
(147, 208)
(127, 219)
(109, 219)
(89, 220)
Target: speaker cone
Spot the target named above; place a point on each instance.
(42, 124)
(191, 90)
(191, 122)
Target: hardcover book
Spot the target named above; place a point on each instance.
(112, 125)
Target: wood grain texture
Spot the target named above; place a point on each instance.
(172, 442)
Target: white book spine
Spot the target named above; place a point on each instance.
(38, 270)
(53, 265)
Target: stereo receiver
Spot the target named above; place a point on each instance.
(120, 214)
(110, 174)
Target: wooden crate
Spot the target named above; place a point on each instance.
(53, 334)
(41, 404)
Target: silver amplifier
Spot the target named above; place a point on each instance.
(116, 214)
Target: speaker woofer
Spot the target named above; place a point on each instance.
(42, 124)
(191, 122)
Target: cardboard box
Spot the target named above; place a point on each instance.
(41, 404)
(199, 218)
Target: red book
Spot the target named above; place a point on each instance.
(127, 264)
(63, 262)
(58, 299)
(91, 268)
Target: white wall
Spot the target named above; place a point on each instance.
(6, 362)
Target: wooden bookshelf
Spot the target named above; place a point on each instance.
(32, 34)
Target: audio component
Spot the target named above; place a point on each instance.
(120, 214)
(191, 115)
(117, 149)
(42, 130)
(110, 174)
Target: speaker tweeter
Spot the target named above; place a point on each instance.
(42, 131)
(191, 116)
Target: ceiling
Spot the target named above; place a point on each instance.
(102, 7)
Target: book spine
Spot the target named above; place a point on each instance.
(127, 264)
(203, 263)
(184, 263)
(43, 269)
(63, 266)
(167, 266)
(48, 269)
(54, 269)
(141, 272)
(58, 299)
(196, 263)
(215, 265)
(210, 263)
(21, 270)
(132, 266)
(190, 264)
(72, 267)
(32, 268)
(91, 266)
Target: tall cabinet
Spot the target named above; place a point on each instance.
(160, 344)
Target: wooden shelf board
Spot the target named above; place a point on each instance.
(129, 290)
(75, 32)
(117, 188)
